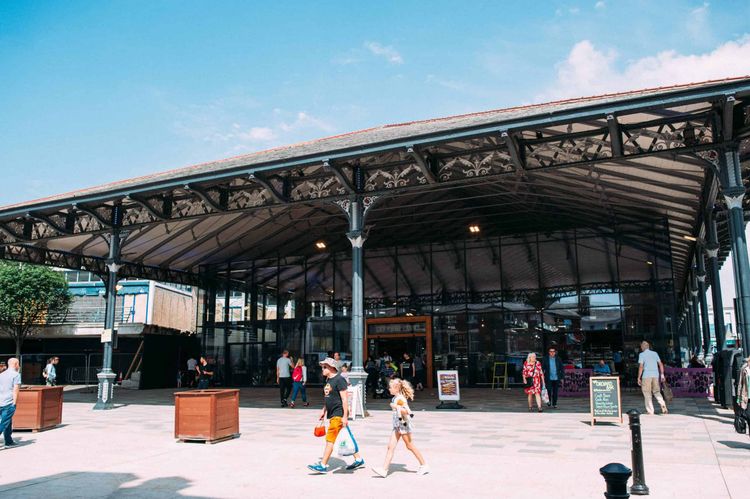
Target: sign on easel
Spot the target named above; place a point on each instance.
(606, 401)
(448, 390)
(355, 401)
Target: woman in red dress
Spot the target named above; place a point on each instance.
(533, 369)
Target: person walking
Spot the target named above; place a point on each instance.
(533, 379)
(205, 373)
(284, 376)
(402, 392)
(650, 374)
(50, 372)
(336, 407)
(191, 363)
(299, 379)
(419, 372)
(408, 371)
(554, 372)
(10, 384)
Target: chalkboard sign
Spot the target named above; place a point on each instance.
(604, 392)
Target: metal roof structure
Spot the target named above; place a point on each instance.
(638, 168)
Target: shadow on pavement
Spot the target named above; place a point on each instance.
(735, 445)
(97, 484)
(474, 400)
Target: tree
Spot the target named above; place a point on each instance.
(29, 294)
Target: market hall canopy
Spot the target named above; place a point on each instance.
(627, 165)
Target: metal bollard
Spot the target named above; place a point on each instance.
(639, 486)
(616, 475)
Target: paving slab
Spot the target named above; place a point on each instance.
(492, 448)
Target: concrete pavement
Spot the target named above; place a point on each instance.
(493, 448)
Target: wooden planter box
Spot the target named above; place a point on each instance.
(208, 415)
(38, 408)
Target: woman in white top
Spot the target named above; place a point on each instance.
(299, 380)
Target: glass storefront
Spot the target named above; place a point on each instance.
(591, 295)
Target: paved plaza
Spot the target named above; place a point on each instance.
(493, 448)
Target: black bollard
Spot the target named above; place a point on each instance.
(639, 487)
(616, 475)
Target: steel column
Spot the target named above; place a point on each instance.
(734, 192)
(357, 237)
(705, 325)
(712, 253)
(105, 392)
(695, 310)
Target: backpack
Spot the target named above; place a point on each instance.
(297, 374)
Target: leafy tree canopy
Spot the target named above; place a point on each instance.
(28, 295)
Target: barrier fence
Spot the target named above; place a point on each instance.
(72, 369)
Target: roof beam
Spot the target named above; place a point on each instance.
(422, 163)
(515, 152)
(92, 213)
(339, 174)
(45, 219)
(266, 184)
(728, 119)
(615, 136)
(202, 240)
(144, 204)
(203, 195)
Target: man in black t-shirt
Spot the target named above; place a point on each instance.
(205, 373)
(337, 408)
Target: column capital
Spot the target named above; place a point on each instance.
(357, 238)
(702, 277)
(712, 250)
(113, 267)
(733, 198)
(694, 293)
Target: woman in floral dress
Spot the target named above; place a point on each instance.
(533, 369)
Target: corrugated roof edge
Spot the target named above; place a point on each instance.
(191, 168)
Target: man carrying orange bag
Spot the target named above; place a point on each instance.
(337, 408)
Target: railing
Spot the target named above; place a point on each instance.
(92, 315)
(73, 368)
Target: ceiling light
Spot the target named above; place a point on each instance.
(320, 245)
(474, 229)
(690, 238)
(649, 262)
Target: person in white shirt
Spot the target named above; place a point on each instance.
(191, 363)
(50, 372)
(650, 373)
(284, 376)
(10, 384)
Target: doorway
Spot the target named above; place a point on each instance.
(399, 335)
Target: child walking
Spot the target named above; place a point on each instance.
(402, 392)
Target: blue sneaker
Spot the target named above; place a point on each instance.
(318, 468)
(356, 464)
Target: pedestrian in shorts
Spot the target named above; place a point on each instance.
(336, 407)
(402, 392)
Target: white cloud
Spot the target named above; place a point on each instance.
(258, 134)
(225, 128)
(388, 52)
(600, 5)
(303, 121)
(589, 70)
(698, 26)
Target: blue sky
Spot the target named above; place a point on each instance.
(92, 92)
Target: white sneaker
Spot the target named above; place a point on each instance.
(382, 472)
(423, 470)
